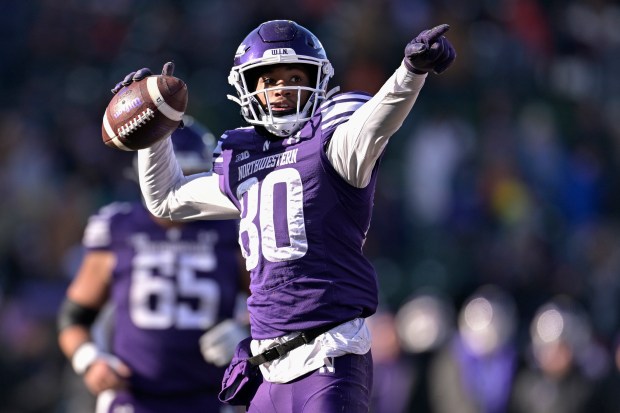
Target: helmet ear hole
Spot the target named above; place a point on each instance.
(233, 78)
(328, 69)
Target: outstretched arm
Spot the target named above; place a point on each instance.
(358, 143)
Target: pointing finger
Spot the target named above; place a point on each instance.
(436, 32)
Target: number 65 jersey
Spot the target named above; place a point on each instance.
(169, 285)
(302, 225)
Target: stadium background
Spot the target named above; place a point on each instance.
(506, 172)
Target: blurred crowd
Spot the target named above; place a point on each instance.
(499, 190)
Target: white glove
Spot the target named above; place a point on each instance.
(218, 344)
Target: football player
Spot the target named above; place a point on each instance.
(166, 282)
(301, 178)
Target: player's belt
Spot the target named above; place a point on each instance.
(281, 349)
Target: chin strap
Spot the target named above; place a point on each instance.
(332, 92)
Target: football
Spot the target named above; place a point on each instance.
(144, 112)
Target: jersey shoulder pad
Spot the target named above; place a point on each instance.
(238, 139)
(98, 231)
(340, 107)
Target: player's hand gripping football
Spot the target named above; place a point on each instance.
(132, 77)
(167, 70)
(140, 74)
(430, 51)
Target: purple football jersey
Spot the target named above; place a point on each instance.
(302, 225)
(169, 286)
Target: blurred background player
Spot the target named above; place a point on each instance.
(565, 363)
(166, 284)
(393, 374)
(474, 371)
(424, 323)
(403, 344)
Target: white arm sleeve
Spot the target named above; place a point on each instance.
(358, 143)
(169, 194)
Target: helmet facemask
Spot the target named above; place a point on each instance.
(281, 125)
